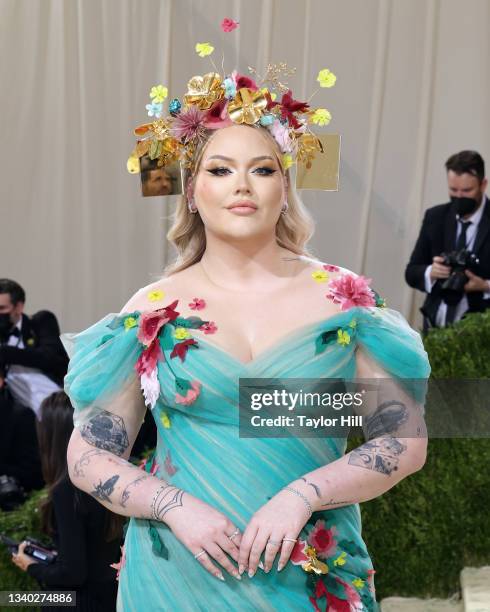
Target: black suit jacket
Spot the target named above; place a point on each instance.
(43, 348)
(437, 236)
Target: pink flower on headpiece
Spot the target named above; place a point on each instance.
(280, 133)
(289, 106)
(188, 124)
(323, 540)
(350, 290)
(243, 82)
(217, 116)
(191, 395)
(149, 358)
(228, 25)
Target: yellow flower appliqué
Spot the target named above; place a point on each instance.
(353, 324)
(130, 322)
(321, 117)
(287, 161)
(155, 296)
(204, 49)
(326, 78)
(158, 93)
(181, 333)
(358, 583)
(340, 560)
(343, 337)
(165, 420)
(320, 276)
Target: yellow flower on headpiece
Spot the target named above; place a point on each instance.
(320, 276)
(326, 78)
(203, 91)
(155, 296)
(358, 583)
(130, 322)
(181, 333)
(204, 49)
(247, 106)
(273, 96)
(321, 117)
(158, 93)
(287, 161)
(165, 420)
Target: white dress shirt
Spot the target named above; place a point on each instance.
(29, 386)
(471, 233)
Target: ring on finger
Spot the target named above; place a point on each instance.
(289, 540)
(197, 555)
(274, 542)
(234, 534)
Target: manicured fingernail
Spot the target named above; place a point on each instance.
(280, 566)
(261, 565)
(220, 576)
(237, 576)
(267, 569)
(241, 569)
(251, 573)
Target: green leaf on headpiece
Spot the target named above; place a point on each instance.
(155, 149)
(157, 546)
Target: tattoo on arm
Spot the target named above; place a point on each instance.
(106, 431)
(315, 487)
(125, 494)
(381, 455)
(386, 420)
(102, 491)
(166, 498)
(87, 456)
(332, 502)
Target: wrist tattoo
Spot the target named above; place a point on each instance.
(106, 431)
(315, 487)
(387, 419)
(102, 491)
(166, 498)
(381, 455)
(345, 502)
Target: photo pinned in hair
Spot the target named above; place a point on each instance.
(159, 181)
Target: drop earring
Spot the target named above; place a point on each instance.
(284, 208)
(191, 206)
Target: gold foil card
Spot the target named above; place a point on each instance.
(325, 167)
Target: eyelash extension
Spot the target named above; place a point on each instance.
(219, 171)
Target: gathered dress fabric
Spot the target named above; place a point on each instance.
(199, 450)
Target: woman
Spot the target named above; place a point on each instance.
(87, 537)
(242, 301)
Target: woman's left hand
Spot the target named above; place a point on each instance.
(273, 528)
(21, 559)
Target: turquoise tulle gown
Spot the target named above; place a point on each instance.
(193, 390)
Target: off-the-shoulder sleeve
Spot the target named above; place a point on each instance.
(102, 365)
(389, 340)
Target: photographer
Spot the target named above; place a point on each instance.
(87, 536)
(451, 259)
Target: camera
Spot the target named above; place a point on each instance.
(33, 548)
(11, 493)
(458, 261)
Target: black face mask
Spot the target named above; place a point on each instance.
(464, 206)
(5, 325)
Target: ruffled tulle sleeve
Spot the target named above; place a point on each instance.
(101, 373)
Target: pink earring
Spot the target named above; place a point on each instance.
(191, 206)
(284, 208)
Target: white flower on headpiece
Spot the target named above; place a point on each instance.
(280, 133)
(154, 110)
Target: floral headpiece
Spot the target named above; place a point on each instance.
(214, 101)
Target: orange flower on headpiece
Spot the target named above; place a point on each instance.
(247, 106)
(203, 91)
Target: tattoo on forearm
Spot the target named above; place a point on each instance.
(87, 457)
(387, 419)
(106, 431)
(166, 498)
(103, 491)
(380, 455)
(332, 502)
(133, 483)
(315, 487)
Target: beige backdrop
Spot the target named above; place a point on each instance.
(413, 87)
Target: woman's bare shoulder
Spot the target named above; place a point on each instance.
(159, 293)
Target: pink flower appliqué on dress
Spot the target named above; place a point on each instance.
(209, 327)
(191, 395)
(170, 468)
(349, 290)
(298, 554)
(330, 268)
(148, 359)
(121, 563)
(150, 325)
(323, 540)
(197, 304)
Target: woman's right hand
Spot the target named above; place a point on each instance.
(200, 527)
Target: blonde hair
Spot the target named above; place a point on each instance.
(293, 229)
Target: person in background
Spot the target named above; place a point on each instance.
(86, 535)
(33, 361)
(451, 259)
